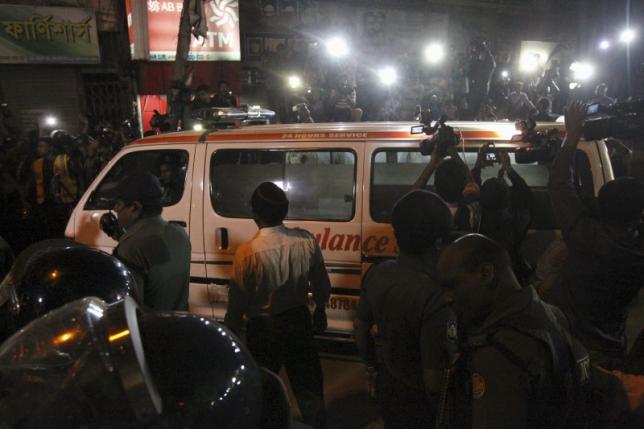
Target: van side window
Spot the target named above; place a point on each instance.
(169, 166)
(320, 185)
(395, 171)
(392, 176)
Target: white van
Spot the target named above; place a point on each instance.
(342, 180)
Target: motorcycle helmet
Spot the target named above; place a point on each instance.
(79, 366)
(52, 273)
(204, 374)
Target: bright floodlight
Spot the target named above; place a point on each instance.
(604, 45)
(388, 76)
(627, 36)
(294, 82)
(337, 47)
(582, 71)
(51, 121)
(573, 85)
(529, 62)
(434, 53)
(197, 127)
(505, 74)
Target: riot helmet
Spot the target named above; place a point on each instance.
(204, 374)
(52, 273)
(81, 365)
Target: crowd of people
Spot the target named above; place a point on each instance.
(45, 171)
(455, 332)
(477, 85)
(517, 352)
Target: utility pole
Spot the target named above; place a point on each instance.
(183, 43)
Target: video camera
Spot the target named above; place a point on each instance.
(543, 148)
(620, 120)
(443, 136)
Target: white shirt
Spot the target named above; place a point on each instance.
(272, 273)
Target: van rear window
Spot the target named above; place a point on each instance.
(320, 185)
(168, 165)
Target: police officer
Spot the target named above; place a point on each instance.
(402, 301)
(156, 252)
(518, 361)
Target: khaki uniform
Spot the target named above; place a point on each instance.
(158, 254)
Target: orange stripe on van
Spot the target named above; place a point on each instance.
(310, 136)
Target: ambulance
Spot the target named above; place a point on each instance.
(342, 180)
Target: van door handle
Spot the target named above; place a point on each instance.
(222, 238)
(179, 222)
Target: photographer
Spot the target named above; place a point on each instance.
(453, 182)
(482, 66)
(506, 212)
(343, 102)
(606, 256)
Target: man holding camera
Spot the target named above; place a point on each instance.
(606, 256)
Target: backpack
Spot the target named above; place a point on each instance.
(570, 364)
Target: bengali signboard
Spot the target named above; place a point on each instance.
(154, 25)
(52, 35)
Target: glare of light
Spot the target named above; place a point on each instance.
(294, 82)
(118, 335)
(505, 74)
(336, 47)
(573, 85)
(95, 310)
(388, 76)
(51, 121)
(53, 275)
(582, 70)
(197, 127)
(283, 186)
(434, 53)
(529, 62)
(604, 45)
(64, 337)
(627, 36)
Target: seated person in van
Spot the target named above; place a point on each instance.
(455, 185)
(171, 182)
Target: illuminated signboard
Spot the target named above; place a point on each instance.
(53, 35)
(154, 25)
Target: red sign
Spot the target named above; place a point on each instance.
(159, 24)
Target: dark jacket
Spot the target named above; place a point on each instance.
(605, 268)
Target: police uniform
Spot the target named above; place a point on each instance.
(156, 252)
(406, 305)
(158, 255)
(520, 367)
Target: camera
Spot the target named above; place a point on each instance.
(620, 120)
(443, 136)
(543, 148)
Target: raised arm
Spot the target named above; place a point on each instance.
(567, 205)
(428, 171)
